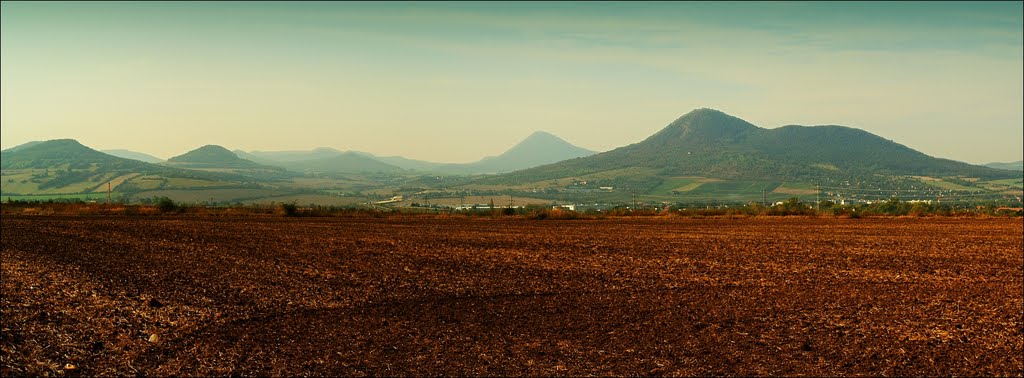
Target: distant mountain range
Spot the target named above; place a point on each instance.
(537, 149)
(128, 154)
(705, 149)
(321, 160)
(214, 157)
(710, 143)
(1013, 166)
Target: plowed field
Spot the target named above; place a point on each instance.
(423, 296)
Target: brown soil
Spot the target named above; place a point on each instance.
(421, 296)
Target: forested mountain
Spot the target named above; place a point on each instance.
(68, 154)
(710, 143)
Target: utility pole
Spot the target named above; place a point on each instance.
(764, 198)
(817, 198)
(108, 193)
(633, 193)
(509, 201)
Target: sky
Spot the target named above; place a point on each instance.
(454, 82)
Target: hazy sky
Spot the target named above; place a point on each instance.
(457, 81)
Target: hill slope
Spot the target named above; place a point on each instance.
(709, 143)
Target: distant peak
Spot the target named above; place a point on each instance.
(705, 114)
(325, 149)
(71, 142)
(52, 143)
(211, 147)
(705, 111)
(542, 135)
(703, 124)
(707, 117)
(209, 152)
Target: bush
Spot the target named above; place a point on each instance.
(290, 209)
(166, 205)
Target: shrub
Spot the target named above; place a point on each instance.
(166, 205)
(290, 209)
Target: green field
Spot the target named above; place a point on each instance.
(941, 184)
(741, 191)
(114, 183)
(209, 195)
(311, 199)
(1004, 183)
(187, 183)
(795, 188)
(18, 182)
(21, 182)
(47, 197)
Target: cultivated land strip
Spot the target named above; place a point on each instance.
(479, 296)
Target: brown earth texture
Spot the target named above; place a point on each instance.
(191, 296)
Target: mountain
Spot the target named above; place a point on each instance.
(275, 157)
(321, 160)
(60, 154)
(128, 154)
(66, 166)
(412, 164)
(345, 162)
(23, 146)
(709, 143)
(537, 149)
(215, 157)
(1014, 166)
